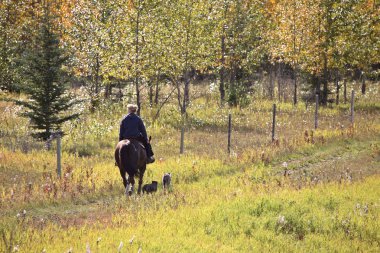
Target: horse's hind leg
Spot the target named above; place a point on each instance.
(131, 183)
(141, 176)
(125, 181)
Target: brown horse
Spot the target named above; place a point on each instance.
(130, 156)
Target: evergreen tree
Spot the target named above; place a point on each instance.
(45, 82)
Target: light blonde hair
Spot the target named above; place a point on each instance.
(132, 108)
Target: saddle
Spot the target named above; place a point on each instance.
(136, 141)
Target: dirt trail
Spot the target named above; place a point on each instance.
(343, 160)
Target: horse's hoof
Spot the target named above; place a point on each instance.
(130, 193)
(127, 190)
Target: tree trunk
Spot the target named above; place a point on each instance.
(221, 85)
(318, 87)
(186, 90)
(294, 52)
(163, 103)
(181, 100)
(97, 77)
(295, 86)
(150, 93)
(187, 67)
(337, 89)
(184, 107)
(271, 82)
(279, 81)
(222, 88)
(233, 96)
(108, 91)
(157, 93)
(137, 47)
(345, 90)
(138, 96)
(363, 85)
(325, 81)
(120, 93)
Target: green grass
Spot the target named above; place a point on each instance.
(234, 217)
(324, 199)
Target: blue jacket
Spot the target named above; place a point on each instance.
(132, 126)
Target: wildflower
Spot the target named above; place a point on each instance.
(24, 212)
(16, 248)
(18, 215)
(285, 164)
(120, 246)
(281, 220)
(88, 250)
(365, 208)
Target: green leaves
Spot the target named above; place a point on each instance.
(142, 41)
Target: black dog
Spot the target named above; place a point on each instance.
(149, 188)
(166, 179)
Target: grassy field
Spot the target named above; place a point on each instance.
(311, 191)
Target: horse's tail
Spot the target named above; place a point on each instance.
(117, 155)
(127, 156)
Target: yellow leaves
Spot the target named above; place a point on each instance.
(131, 4)
(271, 5)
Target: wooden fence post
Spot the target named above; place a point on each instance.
(229, 133)
(59, 154)
(181, 148)
(316, 111)
(274, 121)
(352, 106)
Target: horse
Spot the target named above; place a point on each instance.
(130, 156)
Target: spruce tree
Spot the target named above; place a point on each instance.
(48, 102)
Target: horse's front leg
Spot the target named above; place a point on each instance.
(141, 176)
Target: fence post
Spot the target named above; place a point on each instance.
(352, 106)
(229, 133)
(274, 121)
(59, 154)
(316, 111)
(182, 140)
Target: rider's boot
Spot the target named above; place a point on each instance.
(149, 154)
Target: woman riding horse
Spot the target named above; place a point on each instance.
(133, 151)
(132, 127)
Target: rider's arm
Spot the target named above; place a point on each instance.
(142, 129)
(122, 130)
